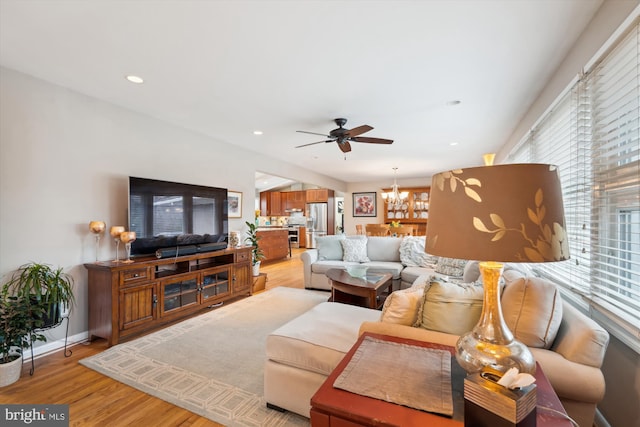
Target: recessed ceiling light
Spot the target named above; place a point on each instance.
(134, 79)
(453, 144)
(257, 132)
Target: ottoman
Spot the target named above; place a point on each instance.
(302, 353)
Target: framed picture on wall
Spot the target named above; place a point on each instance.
(364, 204)
(234, 199)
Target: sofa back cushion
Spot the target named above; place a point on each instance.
(453, 308)
(532, 309)
(330, 248)
(381, 248)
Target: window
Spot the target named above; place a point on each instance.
(592, 133)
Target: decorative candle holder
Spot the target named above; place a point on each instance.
(115, 232)
(97, 228)
(127, 238)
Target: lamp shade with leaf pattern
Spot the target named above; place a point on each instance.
(496, 214)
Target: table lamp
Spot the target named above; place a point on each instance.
(496, 214)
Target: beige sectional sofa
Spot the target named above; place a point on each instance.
(302, 353)
(403, 257)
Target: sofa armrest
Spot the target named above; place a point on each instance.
(308, 257)
(571, 380)
(580, 339)
(402, 331)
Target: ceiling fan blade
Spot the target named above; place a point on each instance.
(357, 131)
(372, 140)
(313, 133)
(344, 146)
(314, 143)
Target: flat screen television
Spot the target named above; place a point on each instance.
(168, 215)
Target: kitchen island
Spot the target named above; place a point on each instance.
(274, 242)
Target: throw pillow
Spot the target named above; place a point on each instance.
(532, 309)
(354, 250)
(402, 306)
(451, 266)
(329, 247)
(412, 253)
(471, 272)
(452, 308)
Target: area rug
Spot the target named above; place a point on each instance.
(212, 364)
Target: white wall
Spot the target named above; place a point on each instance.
(65, 159)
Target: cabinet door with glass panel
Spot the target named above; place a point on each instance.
(411, 210)
(178, 293)
(215, 284)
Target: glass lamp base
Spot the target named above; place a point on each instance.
(473, 354)
(491, 343)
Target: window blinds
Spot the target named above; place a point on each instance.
(593, 134)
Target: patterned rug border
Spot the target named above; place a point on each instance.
(223, 403)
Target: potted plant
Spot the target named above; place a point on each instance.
(256, 252)
(18, 321)
(42, 285)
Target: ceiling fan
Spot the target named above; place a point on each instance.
(343, 136)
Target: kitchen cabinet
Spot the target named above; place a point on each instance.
(129, 299)
(415, 209)
(274, 243)
(271, 203)
(318, 195)
(302, 237)
(293, 200)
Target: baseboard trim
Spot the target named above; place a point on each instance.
(52, 346)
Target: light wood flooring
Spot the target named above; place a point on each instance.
(96, 400)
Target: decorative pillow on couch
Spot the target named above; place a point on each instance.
(453, 308)
(532, 309)
(403, 306)
(354, 250)
(412, 253)
(451, 266)
(330, 248)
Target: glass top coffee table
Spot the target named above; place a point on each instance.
(369, 291)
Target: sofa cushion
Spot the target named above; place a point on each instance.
(302, 344)
(329, 247)
(453, 308)
(412, 253)
(532, 309)
(411, 274)
(354, 250)
(402, 306)
(384, 248)
(451, 266)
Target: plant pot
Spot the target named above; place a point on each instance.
(52, 317)
(10, 372)
(256, 269)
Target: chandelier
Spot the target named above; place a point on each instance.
(395, 198)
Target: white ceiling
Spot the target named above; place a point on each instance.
(227, 68)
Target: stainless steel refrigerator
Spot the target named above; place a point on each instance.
(317, 221)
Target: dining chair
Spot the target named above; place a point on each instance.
(377, 229)
(359, 229)
(403, 230)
